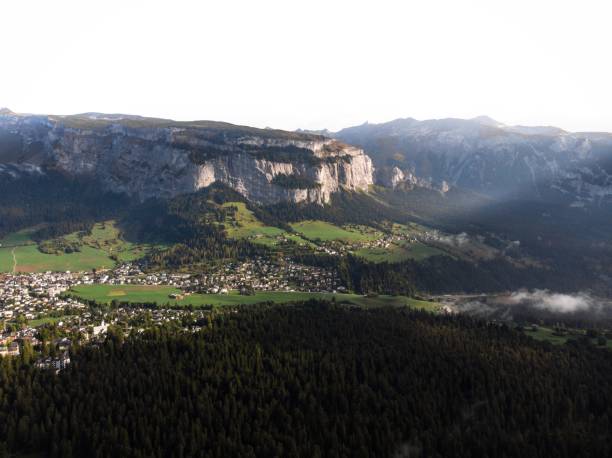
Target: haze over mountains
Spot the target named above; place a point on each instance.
(148, 157)
(488, 157)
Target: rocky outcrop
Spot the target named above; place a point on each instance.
(161, 158)
(394, 177)
(389, 177)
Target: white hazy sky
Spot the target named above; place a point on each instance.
(311, 63)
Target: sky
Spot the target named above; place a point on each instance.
(311, 64)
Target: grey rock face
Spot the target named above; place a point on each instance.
(160, 158)
(490, 158)
(390, 177)
(394, 177)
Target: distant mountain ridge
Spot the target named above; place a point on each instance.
(487, 156)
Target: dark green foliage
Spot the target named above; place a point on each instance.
(64, 203)
(199, 154)
(181, 218)
(315, 380)
(211, 130)
(295, 182)
(437, 274)
(191, 225)
(207, 245)
(57, 229)
(59, 246)
(288, 153)
(345, 207)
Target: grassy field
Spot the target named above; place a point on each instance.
(326, 231)
(126, 293)
(161, 295)
(246, 225)
(6, 260)
(404, 250)
(96, 251)
(30, 259)
(46, 320)
(106, 236)
(395, 253)
(299, 240)
(543, 333)
(547, 334)
(419, 251)
(19, 238)
(408, 229)
(21, 254)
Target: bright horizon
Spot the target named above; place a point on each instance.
(312, 65)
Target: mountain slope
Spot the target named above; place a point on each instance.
(485, 156)
(145, 157)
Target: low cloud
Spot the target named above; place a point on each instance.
(455, 240)
(477, 308)
(553, 302)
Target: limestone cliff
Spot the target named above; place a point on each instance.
(394, 177)
(146, 157)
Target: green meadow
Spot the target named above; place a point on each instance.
(19, 253)
(161, 296)
(548, 335)
(397, 253)
(22, 237)
(393, 253)
(324, 231)
(419, 251)
(30, 259)
(244, 224)
(47, 320)
(106, 236)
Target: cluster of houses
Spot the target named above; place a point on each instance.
(131, 274)
(12, 342)
(31, 303)
(386, 240)
(380, 239)
(35, 294)
(31, 295)
(260, 274)
(31, 300)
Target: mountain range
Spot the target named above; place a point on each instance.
(148, 157)
(488, 157)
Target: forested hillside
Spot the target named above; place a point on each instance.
(63, 203)
(315, 380)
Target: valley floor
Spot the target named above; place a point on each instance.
(167, 295)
